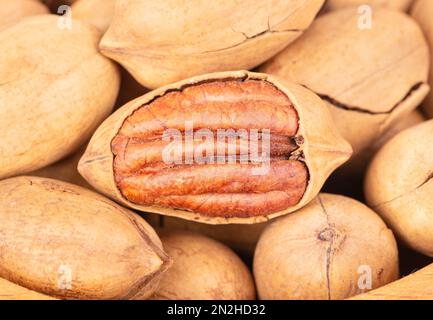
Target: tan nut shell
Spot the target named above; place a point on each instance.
(318, 252)
(402, 5)
(64, 170)
(324, 149)
(423, 14)
(203, 269)
(358, 164)
(417, 286)
(55, 89)
(13, 11)
(241, 238)
(97, 12)
(372, 72)
(399, 186)
(160, 42)
(11, 291)
(52, 232)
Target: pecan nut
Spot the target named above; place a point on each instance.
(48, 110)
(159, 47)
(57, 239)
(217, 180)
(399, 184)
(370, 75)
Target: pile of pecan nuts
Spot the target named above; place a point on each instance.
(221, 150)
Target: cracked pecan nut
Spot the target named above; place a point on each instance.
(340, 239)
(401, 5)
(423, 12)
(57, 239)
(368, 77)
(399, 186)
(48, 110)
(192, 277)
(13, 11)
(125, 157)
(166, 41)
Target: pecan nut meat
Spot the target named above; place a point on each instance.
(249, 148)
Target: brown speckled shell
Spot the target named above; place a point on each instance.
(324, 149)
(51, 228)
(160, 42)
(317, 252)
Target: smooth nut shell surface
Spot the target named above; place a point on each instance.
(13, 11)
(323, 148)
(422, 12)
(241, 238)
(64, 170)
(417, 286)
(203, 269)
(317, 252)
(399, 186)
(158, 46)
(11, 291)
(368, 77)
(97, 12)
(401, 5)
(358, 164)
(48, 110)
(67, 242)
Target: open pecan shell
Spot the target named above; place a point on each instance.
(123, 158)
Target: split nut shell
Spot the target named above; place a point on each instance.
(126, 159)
